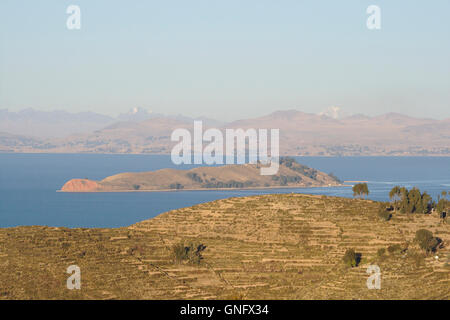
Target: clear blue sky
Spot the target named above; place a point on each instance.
(226, 59)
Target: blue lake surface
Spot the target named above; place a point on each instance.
(28, 184)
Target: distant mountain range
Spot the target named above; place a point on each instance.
(51, 124)
(59, 123)
(330, 133)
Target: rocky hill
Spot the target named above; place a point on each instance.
(290, 174)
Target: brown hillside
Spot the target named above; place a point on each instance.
(286, 246)
(290, 174)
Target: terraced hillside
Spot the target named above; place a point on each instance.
(286, 246)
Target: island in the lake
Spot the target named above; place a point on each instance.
(244, 176)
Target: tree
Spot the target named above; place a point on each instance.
(356, 190)
(412, 201)
(427, 203)
(442, 207)
(404, 200)
(360, 189)
(395, 195)
(415, 201)
(365, 189)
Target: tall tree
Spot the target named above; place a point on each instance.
(427, 202)
(360, 189)
(395, 195)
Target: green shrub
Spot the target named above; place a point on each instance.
(394, 248)
(136, 186)
(351, 258)
(191, 253)
(426, 240)
(385, 215)
(381, 252)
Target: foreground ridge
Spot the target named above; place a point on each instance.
(279, 246)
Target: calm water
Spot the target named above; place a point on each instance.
(28, 184)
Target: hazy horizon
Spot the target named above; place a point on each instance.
(339, 113)
(226, 60)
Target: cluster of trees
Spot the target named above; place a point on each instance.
(413, 201)
(360, 190)
(424, 239)
(284, 180)
(331, 174)
(294, 165)
(287, 161)
(177, 186)
(228, 184)
(407, 201)
(195, 177)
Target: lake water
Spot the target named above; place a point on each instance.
(28, 184)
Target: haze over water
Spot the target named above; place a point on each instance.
(28, 184)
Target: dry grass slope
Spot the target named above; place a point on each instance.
(263, 247)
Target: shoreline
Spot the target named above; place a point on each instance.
(207, 189)
(401, 155)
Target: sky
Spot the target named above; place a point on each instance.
(228, 59)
